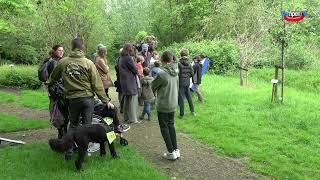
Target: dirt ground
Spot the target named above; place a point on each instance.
(198, 161)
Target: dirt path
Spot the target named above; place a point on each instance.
(24, 113)
(198, 161)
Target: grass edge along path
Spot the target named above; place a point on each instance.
(279, 141)
(38, 161)
(11, 123)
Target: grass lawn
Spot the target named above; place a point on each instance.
(38, 161)
(9, 123)
(33, 99)
(282, 141)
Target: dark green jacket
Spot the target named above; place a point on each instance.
(166, 86)
(80, 77)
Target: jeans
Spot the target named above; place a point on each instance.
(168, 132)
(147, 108)
(184, 91)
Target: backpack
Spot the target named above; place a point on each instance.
(43, 74)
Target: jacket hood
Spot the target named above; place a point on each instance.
(184, 61)
(171, 69)
(77, 53)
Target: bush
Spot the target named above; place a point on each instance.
(19, 76)
(223, 54)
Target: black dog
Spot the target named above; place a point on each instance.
(81, 137)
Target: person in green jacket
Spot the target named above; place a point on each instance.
(81, 82)
(166, 86)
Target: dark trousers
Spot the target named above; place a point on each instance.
(166, 122)
(83, 107)
(184, 91)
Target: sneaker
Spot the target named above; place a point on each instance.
(123, 127)
(177, 151)
(193, 113)
(170, 156)
(93, 147)
(135, 122)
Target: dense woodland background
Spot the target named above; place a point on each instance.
(231, 32)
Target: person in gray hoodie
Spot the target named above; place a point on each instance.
(166, 86)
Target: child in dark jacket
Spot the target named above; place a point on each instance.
(146, 94)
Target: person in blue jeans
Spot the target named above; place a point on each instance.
(165, 86)
(185, 73)
(146, 93)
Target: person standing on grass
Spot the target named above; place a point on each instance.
(129, 83)
(103, 69)
(81, 82)
(196, 79)
(147, 95)
(166, 86)
(185, 73)
(56, 93)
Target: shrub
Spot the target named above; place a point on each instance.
(223, 54)
(19, 76)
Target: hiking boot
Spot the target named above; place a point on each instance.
(177, 151)
(123, 128)
(170, 156)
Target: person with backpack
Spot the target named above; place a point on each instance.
(185, 73)
(58, 106)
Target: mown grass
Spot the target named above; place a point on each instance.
(9, 123)
(33, 99)
(281, 141)
(38, 161)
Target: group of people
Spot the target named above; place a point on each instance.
(140, 80)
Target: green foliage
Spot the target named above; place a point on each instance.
(140, 36)
(9, 123)
(223, 54)
(281, 141)
(19, 76)
(43, 163)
